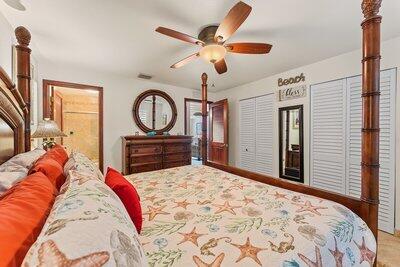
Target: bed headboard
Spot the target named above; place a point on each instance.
(15, 102)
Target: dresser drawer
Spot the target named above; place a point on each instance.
(173, 148)
(138, 158)
(177, 156)
(150, 149)
(135, 168)
(175, 164)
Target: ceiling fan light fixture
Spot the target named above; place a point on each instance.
(212, 53)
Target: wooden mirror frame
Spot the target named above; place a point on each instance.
(301, 143)
(142, 97)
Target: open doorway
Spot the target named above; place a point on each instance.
(193, 126)
(78, 111)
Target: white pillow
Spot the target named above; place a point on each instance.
(8, 179)
(79, 162)
(24, 160)
(88, 225)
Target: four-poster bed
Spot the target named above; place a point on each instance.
(208, 215)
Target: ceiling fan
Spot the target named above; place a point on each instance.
(212, 40)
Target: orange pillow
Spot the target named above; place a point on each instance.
(51, 168)
(57, 153)
(23, 211)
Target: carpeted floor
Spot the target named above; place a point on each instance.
(388, 250)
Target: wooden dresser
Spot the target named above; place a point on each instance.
(148, 153)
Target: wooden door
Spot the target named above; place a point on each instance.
(58, 112)
(218, 148)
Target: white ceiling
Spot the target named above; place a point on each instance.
(119, 37)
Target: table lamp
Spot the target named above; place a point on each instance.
(48, 130)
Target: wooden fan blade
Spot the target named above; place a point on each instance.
(185, 61)
(236, 16)
(248, 48)
(179, 36)
(220, 66)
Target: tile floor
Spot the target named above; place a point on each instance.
(388, 250)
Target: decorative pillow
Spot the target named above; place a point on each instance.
(23, 160)
(58, 153)
(23, 211)
(51, 168)
(79, 162)
(88, 226)
(8, 179)
(128, 195)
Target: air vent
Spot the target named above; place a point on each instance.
(144, 76)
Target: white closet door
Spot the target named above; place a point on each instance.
(387, 145)
(328, 136)
(247, 117)
(263, 133)
(354, 125)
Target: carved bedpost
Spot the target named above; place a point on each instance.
(204, 141)
(370, 112)
(24, 77)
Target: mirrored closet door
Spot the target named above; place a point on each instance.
(291, 164)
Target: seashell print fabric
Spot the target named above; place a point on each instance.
(88, 226)
(201, 216)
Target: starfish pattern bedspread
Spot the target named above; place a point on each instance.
(201, 216)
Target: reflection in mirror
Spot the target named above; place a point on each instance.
(291, 143)
(163, 113)
(146, 111)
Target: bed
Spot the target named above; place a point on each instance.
(199, 215)
(216, 215)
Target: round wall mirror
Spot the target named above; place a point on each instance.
(154, 110)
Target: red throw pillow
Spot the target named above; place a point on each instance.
(23, 211)
(128, 195)
(51, 168)
(57, 153)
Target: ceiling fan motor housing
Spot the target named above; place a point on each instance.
(207, 34)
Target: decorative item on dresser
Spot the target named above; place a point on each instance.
(149, 153)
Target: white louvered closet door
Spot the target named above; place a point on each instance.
(247, 118)
(328, 136)
(387, 145)
(263, 133)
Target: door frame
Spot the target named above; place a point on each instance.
(186, 100)
(301, 141)
(223, 102)
(47, 113)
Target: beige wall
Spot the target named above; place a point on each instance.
(342, 66)
(81, 116)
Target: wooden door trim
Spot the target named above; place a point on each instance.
(224, 103)
(186, 100)
(48, 114)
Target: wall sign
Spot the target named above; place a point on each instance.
(292, 93)
(292, 80)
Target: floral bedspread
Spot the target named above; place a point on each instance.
(201, 216)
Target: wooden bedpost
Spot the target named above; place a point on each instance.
(24, 77)
(204, 142)
(370, 113)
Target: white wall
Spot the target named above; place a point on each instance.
(119, 95)
(6, 41)
(342, 66)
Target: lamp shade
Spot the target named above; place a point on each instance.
(48, 129)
